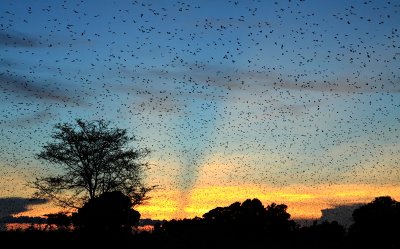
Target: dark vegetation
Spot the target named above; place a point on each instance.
(108, 220)
(101, 177)
(91, 159)
(110, 213)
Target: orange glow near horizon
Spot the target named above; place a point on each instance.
(304, 202)
(40, 210)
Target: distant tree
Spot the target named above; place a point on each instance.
(377, 222)
(92, 159)
(234, 226)
(248, 213)
(61, 220)
(278, 219)
(252, 213)
(111, 212)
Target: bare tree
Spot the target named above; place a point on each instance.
(92, 159)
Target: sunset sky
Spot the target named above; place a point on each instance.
(294, 102)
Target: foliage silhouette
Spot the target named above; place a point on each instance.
(107, 219)
(377, 223)
(93, 159)
(278, 220)
(234, 225)
(323, 235)
(110, 213)
(61, 220)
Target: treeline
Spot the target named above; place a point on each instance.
(250, 225)
(107, 221)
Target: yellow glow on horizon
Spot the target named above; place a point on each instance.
(217, 186)
(303, 202)
(164, 205)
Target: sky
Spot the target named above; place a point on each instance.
(294, 102)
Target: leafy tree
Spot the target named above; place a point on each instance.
(110, 212)
(249, 213)
(278, 219)
(377, 222)
(234, 226)
(92, 158)
(252, 213)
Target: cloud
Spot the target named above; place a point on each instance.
(147, 222)
(18, 39)
(338, 87)
(342, 214)
(14, 205)
(30, 119)
(222, 82)
(18, 85)
(8, 63)
(23, 220)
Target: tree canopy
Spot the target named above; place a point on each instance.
(92, 158)
(377, 222)
(110, 212)
(247, 221)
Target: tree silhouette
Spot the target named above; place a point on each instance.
(324, 235)
(250, 215)
(93, 159)
(109, 213)
(234, 226)
(278, 221)
(61, 220)
(378, 223)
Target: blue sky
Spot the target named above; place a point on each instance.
(289, 92)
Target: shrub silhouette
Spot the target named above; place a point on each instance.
(61, 220)
(111, 212)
